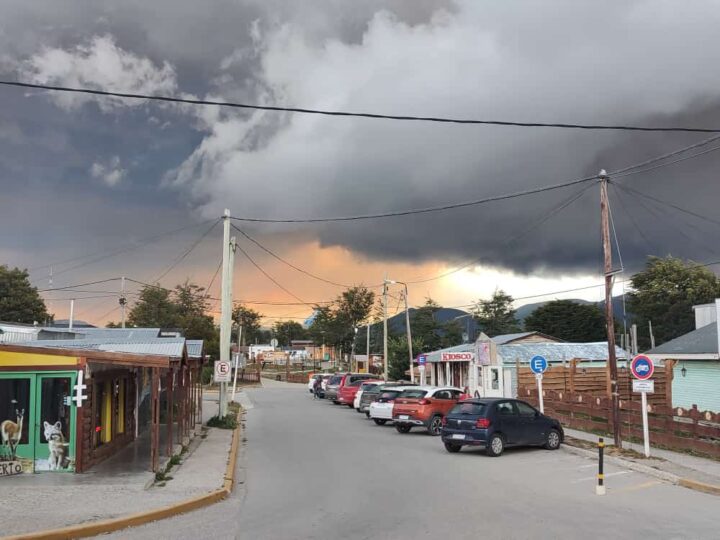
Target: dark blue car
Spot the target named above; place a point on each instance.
(497, 423)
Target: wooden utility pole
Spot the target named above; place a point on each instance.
(609, 319)
(385, 328)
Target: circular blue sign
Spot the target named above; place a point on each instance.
(642, 367)
(538, 364)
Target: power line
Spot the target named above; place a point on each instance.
(627, 171)
(426, 210)
(79, 285)
(375, 116)
(187, 251)
(294, 267)
(631, 216)
(533, 226)
(107, 254)
(256, 265)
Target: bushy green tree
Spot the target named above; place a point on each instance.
(664, 293)
(287, 331)
(19, 301)
(568, 320)
(335, 324)
(496, 316)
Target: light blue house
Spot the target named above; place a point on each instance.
(696, 375)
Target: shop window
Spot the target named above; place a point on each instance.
(55, 409)
(14, 414)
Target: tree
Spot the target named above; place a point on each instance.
(287, 331)
(19, 300)
(191, 308)
(250, 321)
(335, 324)
(154, 307)
(568, 320)
(431, 333)
(496, 316)
(664, 293)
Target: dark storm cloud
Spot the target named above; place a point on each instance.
(619, 62)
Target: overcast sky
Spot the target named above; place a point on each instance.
(82, 176)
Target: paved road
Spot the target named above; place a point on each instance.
(318, 471)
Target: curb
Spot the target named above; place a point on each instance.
(141, 518)
(688, 483)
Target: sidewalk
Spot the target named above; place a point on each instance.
(47, 501)
(672, 464)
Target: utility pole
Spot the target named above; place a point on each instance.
(122, 301)
(652, 336)
(237, 360)
(72, 314)
(226, 305)
(367, 347)
(609, 320)
(385, 330)
(409, 335)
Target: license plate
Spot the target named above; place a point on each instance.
(458, 436)
(404, 417)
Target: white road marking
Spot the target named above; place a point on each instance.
(618, 473)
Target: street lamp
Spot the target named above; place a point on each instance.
(352, 350)
(407, 325)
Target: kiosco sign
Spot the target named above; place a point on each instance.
(458, 357)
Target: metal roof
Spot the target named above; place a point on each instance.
(505, 338)
(159, 346)
(553, 352)
(110, 333)
(556, 352)
(704, 340)
(194, 347)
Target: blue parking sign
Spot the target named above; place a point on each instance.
(538, 364)
(422, 359)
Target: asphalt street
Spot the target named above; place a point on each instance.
(312, 470)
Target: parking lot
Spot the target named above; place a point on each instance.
(316, 470)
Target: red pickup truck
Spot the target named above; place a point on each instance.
(425, 407)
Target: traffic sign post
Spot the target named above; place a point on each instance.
(642, 369)
(422, 361)
(538, 365)
(221, 373)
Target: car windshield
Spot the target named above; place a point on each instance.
(476, 409)
(367, 386)
(413, 393)
(372, 390)
(335, 379)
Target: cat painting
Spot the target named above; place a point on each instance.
(56, 444)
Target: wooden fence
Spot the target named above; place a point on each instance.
(578, 377)
(684, 430)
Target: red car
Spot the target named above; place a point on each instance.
(349, 385)
(424, 407)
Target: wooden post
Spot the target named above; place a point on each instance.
(169, 413)
(669, 376)
(609, 319)
(573, 368)
(155, 420)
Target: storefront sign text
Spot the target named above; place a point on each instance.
(458, 357)
(8, 468)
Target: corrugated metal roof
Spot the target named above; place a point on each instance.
(111, 333)
(553, 352)
(704, 340)
(504, 338)
(556, 352)
(158, 346)
(194, 347)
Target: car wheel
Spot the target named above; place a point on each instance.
(336, 402)
(358, 409)
(380, 421)
(495, 446)
(350, 405)
(435, 425)
(452, 448)
(367, 414)
(403, 428)
(552, 441)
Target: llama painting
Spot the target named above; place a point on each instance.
(11, 433)
(57, 446)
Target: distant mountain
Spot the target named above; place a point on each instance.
(523, 311)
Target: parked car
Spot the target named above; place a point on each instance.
(364, 387)
(371, 394)
(381, 410)
(349, 387)
(499, 423)
(425, 407)
(331, 387)
(323, 378)
(349, 384)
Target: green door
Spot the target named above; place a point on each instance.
(54, 422)
(17, 396)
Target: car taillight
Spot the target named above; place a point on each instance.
(424, 402)
(482, 423)
(444, 420)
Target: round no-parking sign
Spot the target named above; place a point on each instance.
(642, 367)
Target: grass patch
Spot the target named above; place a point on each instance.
(226, 422)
